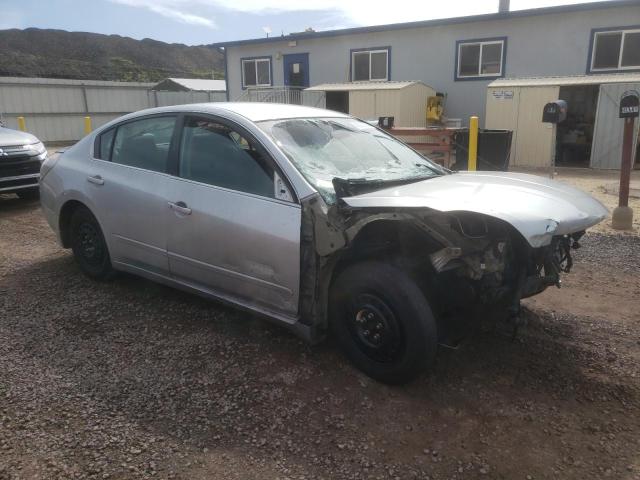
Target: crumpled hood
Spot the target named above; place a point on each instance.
(11, 138)
(537, 207)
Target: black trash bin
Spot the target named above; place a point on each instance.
(494, 150)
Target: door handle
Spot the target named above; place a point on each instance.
(180, 207)
(96, 180)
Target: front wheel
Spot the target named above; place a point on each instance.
(88, 245)
(383, 322)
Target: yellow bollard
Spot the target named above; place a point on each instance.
(87, 125)
(21, 125)
(473, 144)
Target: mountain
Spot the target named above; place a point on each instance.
(35, 52)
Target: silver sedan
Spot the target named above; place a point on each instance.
(313, 219)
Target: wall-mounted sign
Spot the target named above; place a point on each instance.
(629, 104)
(503, 94)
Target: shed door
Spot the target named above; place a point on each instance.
(362, 104)
(534, 142)
(502, 112)
(520, 109)
(606, 151)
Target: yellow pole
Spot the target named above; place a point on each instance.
(87, 125)
(473, 144)
(21, 125)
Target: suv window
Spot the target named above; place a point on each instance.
(144, 143)
(215, 154)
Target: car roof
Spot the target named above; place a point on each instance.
(256, 112)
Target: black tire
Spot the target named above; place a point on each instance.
(88, 245)
(372, 298)
(29, 194)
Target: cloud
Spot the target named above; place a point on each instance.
(173, 9)
(345, 12)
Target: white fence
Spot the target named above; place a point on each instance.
(54, 109)
(289, 95)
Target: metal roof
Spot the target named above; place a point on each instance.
(348, 86)
(438, 22)
(566, 81)
(197, 84)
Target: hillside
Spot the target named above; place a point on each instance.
(78, 55)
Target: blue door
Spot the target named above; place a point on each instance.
(296, 70)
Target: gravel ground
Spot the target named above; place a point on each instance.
(128, 379)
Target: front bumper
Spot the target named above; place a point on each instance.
(19, 172)
(11, 184)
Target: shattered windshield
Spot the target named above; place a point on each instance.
(349, 149)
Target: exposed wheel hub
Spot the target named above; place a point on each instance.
(375, 328)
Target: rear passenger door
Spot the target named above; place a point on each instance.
(231, 232)
(128, 184)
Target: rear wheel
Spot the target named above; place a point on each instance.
(383, 322)
(29, 193)
(88, 245)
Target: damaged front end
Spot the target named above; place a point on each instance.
(464, 262)
(498, 264)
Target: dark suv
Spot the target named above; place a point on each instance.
(21, 155)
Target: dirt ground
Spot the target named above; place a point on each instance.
(128, 379)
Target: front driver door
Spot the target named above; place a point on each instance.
(228, 233)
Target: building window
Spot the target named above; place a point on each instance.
(480, 58)
(615, 50)
(256, 72)
(371, 64)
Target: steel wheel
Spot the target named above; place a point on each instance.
(375, 329)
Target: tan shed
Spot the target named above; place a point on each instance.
(589, 137)
(405, 101)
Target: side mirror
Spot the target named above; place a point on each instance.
(282, 191)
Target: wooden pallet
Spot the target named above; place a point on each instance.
(435, 143)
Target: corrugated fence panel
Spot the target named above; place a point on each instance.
(606, 150)
(58, 128)
(54, 110)
(40, 99)
(183, 98)
(117, 99)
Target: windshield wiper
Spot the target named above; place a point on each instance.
(349, 187)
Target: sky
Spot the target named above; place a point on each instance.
(197, 22)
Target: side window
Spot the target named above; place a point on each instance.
(616, 49)
(144, 143)
(478, 59)
(215, 154)
(105, 142)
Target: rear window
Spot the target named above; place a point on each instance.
(144, 143)
(104, 145)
